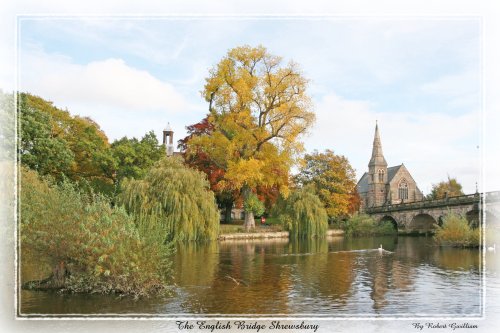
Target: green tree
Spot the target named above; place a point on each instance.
(39, 147)
(54, 142)
(303, 214)
(88, 245)
(258, 109)
(365, 225)
(134, 157)
(175, 198)
(450, 188)
(334, 180)
(253, 205)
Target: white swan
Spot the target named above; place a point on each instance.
(492, 248)
(380, 249)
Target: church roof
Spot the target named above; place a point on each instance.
(364, 186)
(392, 171)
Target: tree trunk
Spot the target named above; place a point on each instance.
(227, 214)
(249, 221)
(56, 280)
(59, 274)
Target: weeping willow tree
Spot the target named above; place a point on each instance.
(303, 214)
(175, 198)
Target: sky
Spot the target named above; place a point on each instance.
(418, 77)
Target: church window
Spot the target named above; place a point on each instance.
(403, 190)
(381, 175)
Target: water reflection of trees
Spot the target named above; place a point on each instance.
(274, 277)
(324, 273)
(398, 271)
(457, 259)
(246, 281)
(196, 263)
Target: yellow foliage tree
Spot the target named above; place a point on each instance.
(258, 108)
(334, 180)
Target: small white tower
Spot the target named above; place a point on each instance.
(167, 132)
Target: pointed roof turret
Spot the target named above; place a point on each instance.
(377, 154)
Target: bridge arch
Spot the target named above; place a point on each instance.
(473, 217)
(440, 220)
(391, 219)
(422, 222)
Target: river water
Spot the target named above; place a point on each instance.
(338, 277)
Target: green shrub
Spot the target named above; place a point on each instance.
(253, 205)
(303, 214)
(95, 247)
(457, 232)
(365, 225)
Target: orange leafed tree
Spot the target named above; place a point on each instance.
(258, 109)
(334, 180)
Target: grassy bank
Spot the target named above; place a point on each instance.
(237, 227)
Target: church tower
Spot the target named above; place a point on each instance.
(169, 145)
(377, 173)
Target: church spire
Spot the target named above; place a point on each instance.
(377, 154)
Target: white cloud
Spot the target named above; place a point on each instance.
(108, 82)
(431, 145)
(123, 100)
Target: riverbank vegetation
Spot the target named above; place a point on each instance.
(456, 232)
(89, 245)
(365, 225)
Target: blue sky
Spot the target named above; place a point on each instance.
(420, 78)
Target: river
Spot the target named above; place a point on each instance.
(331, 278)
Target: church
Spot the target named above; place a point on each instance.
(383, 185)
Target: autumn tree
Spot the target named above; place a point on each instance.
(258, 108)
(54, 142)
(334, 180)
(198, 159)
(449, 188)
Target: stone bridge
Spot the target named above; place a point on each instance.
(421, 217)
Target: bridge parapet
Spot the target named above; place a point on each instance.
(422, 216)
(425, 204)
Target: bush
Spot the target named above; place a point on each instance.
(253, 205)
(91, 246)
(365, 225)
(173, 199)
(457, 232)
(303, 214)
